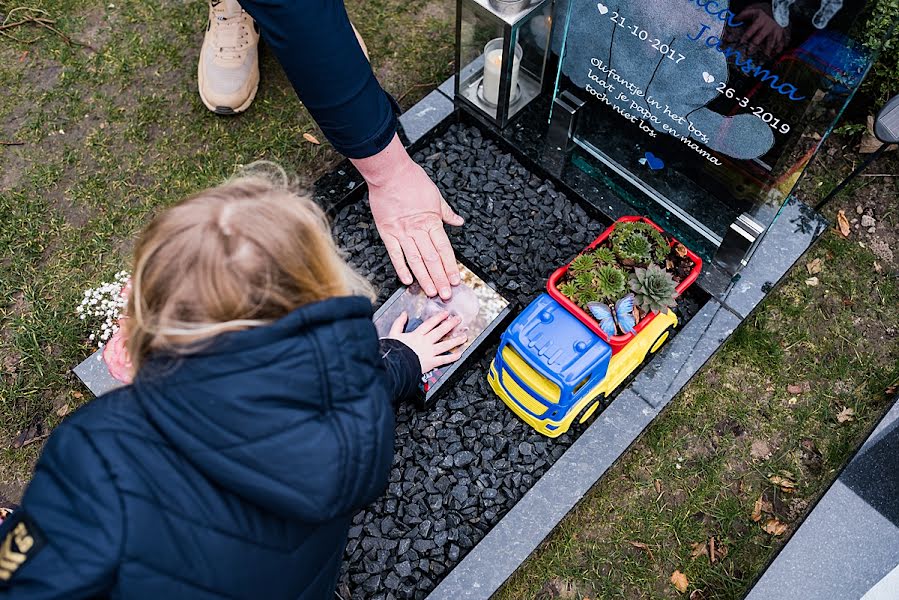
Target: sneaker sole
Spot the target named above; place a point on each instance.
(224, 110)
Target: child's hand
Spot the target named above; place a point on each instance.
(426, 342)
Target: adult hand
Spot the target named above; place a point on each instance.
(410, 212)
(427, 340)
(763, 32)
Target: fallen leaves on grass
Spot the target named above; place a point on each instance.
(775, 527)
(843, 224)
(761, 505)
(641, 546)
(845, 415)
(711, 548)
(812, 282)
(658, 484)
(785, 481)
(680, 581)
(799, 388)
(77, 395)
(63, 410)
(814, 266)
(311, 139)
(30, 435)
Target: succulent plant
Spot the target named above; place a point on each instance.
(586, 296)
(604, 256)
(609, 282)
(583, 263)
(569, 289)
(635, 248)
(654, 289)
(584, 280)
(623, 231)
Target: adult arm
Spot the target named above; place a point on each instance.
(317, 48)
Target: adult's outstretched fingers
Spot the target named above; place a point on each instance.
(417, 265)
(395, 252)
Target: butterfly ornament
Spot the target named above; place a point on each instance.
(611, 321)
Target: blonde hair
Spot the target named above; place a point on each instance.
(231, 257)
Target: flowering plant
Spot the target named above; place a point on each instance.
(105, 306)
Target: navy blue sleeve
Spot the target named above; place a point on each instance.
(316, 46)
(403, 369)
(73, 519)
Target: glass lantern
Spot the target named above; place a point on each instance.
(489, 31)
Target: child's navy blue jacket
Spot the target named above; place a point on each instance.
(232, 474)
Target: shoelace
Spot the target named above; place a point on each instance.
(231, 37)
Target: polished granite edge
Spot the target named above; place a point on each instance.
(786, 241)
(848, 546)
(427, 114)
(512, 540)
(682, 357)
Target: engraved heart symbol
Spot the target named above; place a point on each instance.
(653, 162)
(708, 77)
(603, 9)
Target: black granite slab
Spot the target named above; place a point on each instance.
(848, 546)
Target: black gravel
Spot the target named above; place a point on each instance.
(461, 465)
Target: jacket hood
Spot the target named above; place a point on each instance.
(293, 416)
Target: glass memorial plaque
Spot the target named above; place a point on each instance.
(479, 306)
(701, 112)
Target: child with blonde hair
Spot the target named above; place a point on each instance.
(259, 420)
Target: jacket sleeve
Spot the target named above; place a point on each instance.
(316, 46)
(65, 540)
(403, 369)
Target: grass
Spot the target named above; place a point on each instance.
(112, 136)
(767, 403)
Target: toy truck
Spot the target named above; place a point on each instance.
(555, 363)
(551, 369)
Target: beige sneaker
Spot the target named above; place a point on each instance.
(228, 71)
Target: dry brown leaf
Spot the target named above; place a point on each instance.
(658, 484)
(311, 139)
(77, 395)
(641, 546)
(721, 551)
(757, 510)
(775, 527)
(843, 223)
(784, 481)
(63, 410)
(814, 266)
(699, 549)
(669, 266)
(799, 388)
(812, 282)
(712, 555)
(680, 581)
(878, 267)
(681, 250)
(845, 415)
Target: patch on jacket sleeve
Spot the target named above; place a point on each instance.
(22, 541)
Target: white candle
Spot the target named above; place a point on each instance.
(493, 63)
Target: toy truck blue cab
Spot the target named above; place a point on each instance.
(550, 368)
